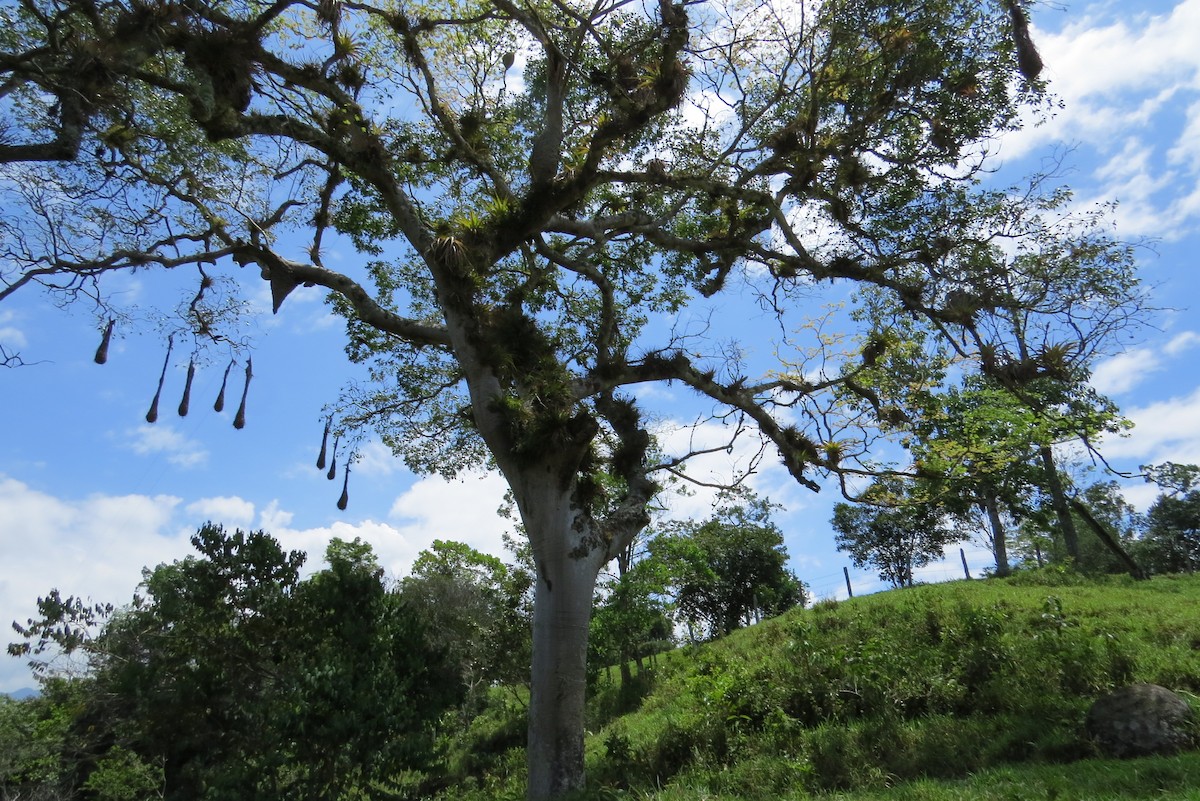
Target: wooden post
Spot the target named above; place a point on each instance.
(966, 570)
(849, 591)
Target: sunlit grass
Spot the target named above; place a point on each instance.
(971, 690)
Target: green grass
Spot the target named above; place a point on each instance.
(970, 690)
(1162, 778)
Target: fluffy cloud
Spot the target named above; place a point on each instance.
(1165, 431)
(1125, 80)
(376, 459)
(1095, 64)
(230, 511)
(464, 510)
(162, 439)
(1122, 373)
(11, 337)
(1181, 343)
(93, 547)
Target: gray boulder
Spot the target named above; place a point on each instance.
(1141, 720)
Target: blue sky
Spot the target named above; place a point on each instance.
(90, 494)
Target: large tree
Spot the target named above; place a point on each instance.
(725, 572)
(537, 190)
(897, 529)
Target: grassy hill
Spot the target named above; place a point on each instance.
(879, 697)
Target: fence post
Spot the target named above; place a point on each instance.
(966, 570)
(849, 591)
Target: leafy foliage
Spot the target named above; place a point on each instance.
(1171, 543)
(630, 623)
(233, 678)
(1039, 539)
(476, 610)
(36, 743)
(727, 571)
(899, 529)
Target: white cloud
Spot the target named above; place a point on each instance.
(1163, 431)
(376, 459)
(463, 510)
(229, 511)
(395, 547)
(1141, 495)
(273, 518)
(162, 439)
(1122, 373)
(395, 550)
(1123, 83)
(1094, 64)
(1181, 342)
(93, 547)
(1186, 151)
(11, 337)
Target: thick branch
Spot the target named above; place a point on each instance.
(288, 274)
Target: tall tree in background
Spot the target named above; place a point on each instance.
(898, 529)
(1171, 541)
(1044, 360)
(728, 571)
(530, 187)
(981, 405)
(970, 440)
(631, 621)
(474, 608)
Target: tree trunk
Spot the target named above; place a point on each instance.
(1110, 541)
(558, 680)
(1058, 499)
(999, 535)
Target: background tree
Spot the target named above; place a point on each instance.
(898, 530)
(474, 608)
(1112, 526)
(518, 237)
(1171, 541)
(242, 681)
(728, 571)
(981, 407)
(36, 749)
(631, 622)
(1115, 524)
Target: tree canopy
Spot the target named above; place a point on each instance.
(725, 572)
(900, 529)
(474, 608)
(235, 679)
(535, 192)
(1171, 542)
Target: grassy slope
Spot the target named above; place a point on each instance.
(940, 681)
